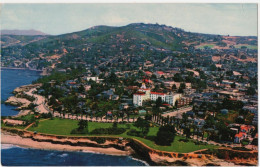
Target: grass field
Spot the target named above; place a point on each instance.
(248, 46)
(64, 127)
(18, 127)
(230, 117)
(208, 45)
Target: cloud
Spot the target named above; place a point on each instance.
(233, 19)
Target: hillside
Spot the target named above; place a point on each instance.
(136, 39)
(22, 32)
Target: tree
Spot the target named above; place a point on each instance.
(225, 134)
(187, 132)
(251, 91)
(229, 73)
(81, 89)
(165, 135)
(210, 122)
(177, 77)
(143, 125)
(176, 103)
(162, 77)
(83, 124)
(174, 87)
(153, 76)
(115, 125)
(182, 86)
(158, 102)
(233, 85)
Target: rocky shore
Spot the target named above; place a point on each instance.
(9, 138)
(117, 146)
(21, 102)
(114, 146)
(20, 99)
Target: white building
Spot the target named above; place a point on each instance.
(138, 98)
(142, 94)
(146, 94)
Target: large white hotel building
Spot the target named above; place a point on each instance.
(146, 94)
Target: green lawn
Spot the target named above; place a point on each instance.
(18, 127)
(64, 127)
(248, 46)
(208, 45)
(26, 117)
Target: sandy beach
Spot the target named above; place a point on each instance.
(7, 138)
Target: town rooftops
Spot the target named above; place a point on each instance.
(148, 73)
(240, 134)
(157, 93)
(144, 89)
(160, 72)
(139, 93)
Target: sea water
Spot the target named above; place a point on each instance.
(12, 155)
(11, 79)
(18, 156)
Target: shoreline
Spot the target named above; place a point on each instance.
(7, 138)
(16, 68)
(133, 148)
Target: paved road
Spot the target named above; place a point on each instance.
(39, 100)
(177, 113)
(69, 116)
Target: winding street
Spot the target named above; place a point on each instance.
(39, 101)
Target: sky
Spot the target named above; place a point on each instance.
(224, 19)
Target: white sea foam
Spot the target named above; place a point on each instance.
(63, 155)
(93, 152)
(50, 155)
(146, 164)
(7, 146)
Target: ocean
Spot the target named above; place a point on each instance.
(12, 155)
(11, 79)
(17, 156)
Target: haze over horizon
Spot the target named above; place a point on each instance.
(56, 19)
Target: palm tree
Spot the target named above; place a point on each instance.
(203, 131)
(168, 119)
(127, 116)
(123, 117)
(193, 127)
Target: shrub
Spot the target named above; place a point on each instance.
(79, 131)
(128, 126)
(186, 140)
(20, 133)
(115, 125)
(134, 132)
(109, 131)
(165, 135)
(99, 140)
(44, 115)
(241, 149)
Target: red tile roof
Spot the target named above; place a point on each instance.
(240, 134)
(139, 93)
(157, 93)
(166, 104)
(160, 72)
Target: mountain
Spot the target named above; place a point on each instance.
(102, 43)
(22, 32)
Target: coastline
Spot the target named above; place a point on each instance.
(7, 138)
(16, 68)
(132, 147)
(160, 159)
